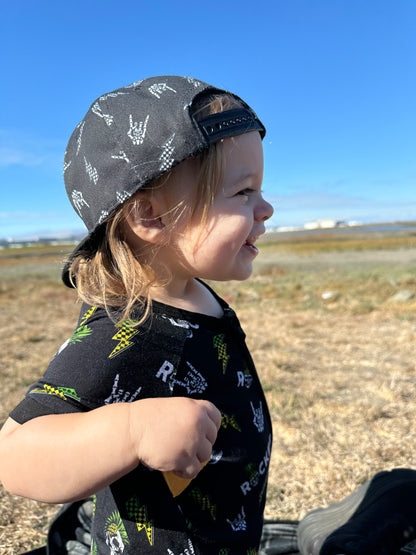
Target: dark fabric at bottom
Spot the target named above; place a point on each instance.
(278, 538)
(384, 521)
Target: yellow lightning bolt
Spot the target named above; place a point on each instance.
(123, 337)
(149, 530)
(87, 315)
(227, 420)
(140, 516)
(50, 390)
(222, 350)
(144, 524)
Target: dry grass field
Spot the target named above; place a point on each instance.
(334, 347)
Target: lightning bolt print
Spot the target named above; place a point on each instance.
(123, 336)
(145, 525)
(204, 502)
(166, 159)
(227, 420)
(87, 315)
(222, 350)
(139, 514)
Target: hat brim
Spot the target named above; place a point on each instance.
(88, 247)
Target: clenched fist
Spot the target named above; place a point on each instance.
(174, 434)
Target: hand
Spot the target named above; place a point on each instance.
(174, 434)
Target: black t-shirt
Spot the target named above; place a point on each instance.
(173, 353)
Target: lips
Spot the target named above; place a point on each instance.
(251, 246)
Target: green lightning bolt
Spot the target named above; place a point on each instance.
(222, 350)
(204, 502)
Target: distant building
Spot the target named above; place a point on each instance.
(324, 224)
(285, 228)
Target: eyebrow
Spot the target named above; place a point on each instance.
(243, 176)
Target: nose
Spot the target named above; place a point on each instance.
(263, 211)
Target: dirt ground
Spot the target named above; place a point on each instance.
(340, 383)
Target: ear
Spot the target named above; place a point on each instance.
(144, 218)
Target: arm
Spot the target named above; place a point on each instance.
(63, 457)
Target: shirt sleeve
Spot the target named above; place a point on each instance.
(103, 363)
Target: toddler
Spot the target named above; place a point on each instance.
(153, 405)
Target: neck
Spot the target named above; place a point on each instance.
(188, 295)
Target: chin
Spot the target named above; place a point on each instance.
(233, 274)
(242, 275)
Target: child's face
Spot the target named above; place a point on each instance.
(224, 248)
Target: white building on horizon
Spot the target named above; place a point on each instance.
(324, 224)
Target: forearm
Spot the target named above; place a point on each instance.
(59, 458)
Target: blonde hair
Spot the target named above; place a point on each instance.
(113, 277)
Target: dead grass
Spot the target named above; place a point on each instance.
(341, 394)
(338, 373)
(340, 242)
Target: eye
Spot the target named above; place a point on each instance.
(244, 192)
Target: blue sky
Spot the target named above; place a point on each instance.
(333, 80)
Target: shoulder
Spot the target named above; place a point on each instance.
(104, 361)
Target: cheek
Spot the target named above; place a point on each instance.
(223, 242)
(221, 237)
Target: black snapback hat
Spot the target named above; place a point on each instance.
(133, 135)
